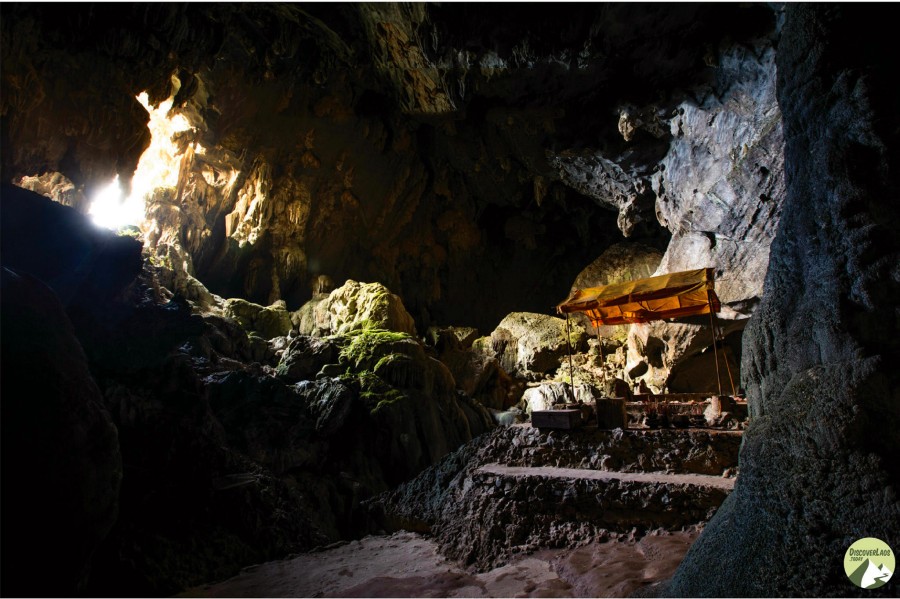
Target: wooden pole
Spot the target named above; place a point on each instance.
(569, 346)
(602, 363)
(712, 328)
(728, 369)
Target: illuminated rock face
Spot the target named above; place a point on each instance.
(473, 167)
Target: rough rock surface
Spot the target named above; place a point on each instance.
(546, 395)
(498, 137)
(479, 376)
(722, 209)
(482, 516)
(356, 306)
(527, 344)
(61, 463)
(268, 321)
(304, 357)
(216, 452)
(667, 450)
(818, 467)
(619, 263)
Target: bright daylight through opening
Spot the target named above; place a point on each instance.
(158, 167)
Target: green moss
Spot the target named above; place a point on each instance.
(388, 359)
(129, 231)
(363, 351)
(376, 394)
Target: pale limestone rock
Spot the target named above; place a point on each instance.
(526, 343)
(619, 263)
(268, 321)
(723, 211)
(352, 307)
(548, 394)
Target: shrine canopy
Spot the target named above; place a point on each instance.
(671, 295)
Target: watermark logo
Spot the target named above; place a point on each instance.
(869, 563)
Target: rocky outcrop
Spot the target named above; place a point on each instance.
(817, 466)
(527, 344)
(482, 510)
(355, 307)
(62, 468)
(547, 395)
(304, 358)
(267, 321)
(416, 146)
(722, 211)
(215, 450)
(619, 263)
(477, 375)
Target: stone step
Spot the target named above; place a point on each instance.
(701, 480)
(501, 511)
(614, 501)
(684, 451)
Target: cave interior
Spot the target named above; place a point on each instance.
(279, 276)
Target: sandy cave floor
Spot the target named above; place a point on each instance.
(406, 564)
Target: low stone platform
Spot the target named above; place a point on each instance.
(697, 451)
(702, 480)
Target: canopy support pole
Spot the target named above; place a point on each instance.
(728, 369)
(569, 347)
(712, 328)
(602, 363)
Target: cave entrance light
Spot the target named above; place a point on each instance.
(158, 167)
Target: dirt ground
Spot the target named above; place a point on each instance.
(408, 565)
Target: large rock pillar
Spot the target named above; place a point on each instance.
(819, 465)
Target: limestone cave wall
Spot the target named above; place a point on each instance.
(473, 165)
(818, 467)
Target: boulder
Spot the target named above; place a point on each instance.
(548, 394)
(679, 355)
(477, 375)
(268, 321)
(353, 307)
(625, 261)
(526, 343)
(465, 335)
(304, 357)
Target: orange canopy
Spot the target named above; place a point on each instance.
(672, 295)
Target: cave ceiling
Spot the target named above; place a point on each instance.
(473, 157)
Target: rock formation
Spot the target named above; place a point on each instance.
(518, 490)
(817, 464)
(396, 116)
(213, 444)
(473, 166)
(62, 468)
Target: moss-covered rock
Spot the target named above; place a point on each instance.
(268, 321)
(354, 307)
(304, 357)
(369, 346)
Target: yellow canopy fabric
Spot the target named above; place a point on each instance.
(671, 295)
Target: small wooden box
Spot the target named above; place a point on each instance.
(558, 419)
